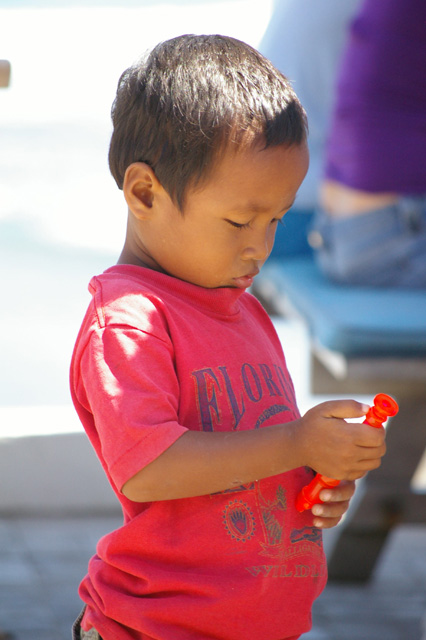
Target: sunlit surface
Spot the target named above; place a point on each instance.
(62, 219)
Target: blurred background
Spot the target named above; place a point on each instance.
(62, 219)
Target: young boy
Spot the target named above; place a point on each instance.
(179, 377)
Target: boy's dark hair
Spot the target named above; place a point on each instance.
(179, 107)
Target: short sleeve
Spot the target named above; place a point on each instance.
(128, 379)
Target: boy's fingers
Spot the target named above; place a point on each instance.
(371, 443)
(329, 515)
(342, 493)
(332, 510)
(344, 409)
(335, 504)
(326, 523)
(373, 439)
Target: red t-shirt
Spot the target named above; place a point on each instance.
(156, 356)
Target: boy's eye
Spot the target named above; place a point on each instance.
(237, 225)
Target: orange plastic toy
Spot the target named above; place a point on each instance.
(383, 408)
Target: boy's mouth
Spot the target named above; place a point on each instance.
(244, 282)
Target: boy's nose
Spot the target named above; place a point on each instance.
(260, 246)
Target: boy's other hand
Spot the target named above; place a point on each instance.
(335, 504)
(336, 448)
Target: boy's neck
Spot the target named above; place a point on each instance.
(137, 257)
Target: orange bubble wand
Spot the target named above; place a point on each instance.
(383, 408)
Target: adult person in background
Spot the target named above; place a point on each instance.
(370, 228)
(305, 39)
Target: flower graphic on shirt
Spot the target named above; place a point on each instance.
(272, 513)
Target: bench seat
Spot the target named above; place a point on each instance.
(363, 341)
(349, 320)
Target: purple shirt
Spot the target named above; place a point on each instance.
(377, 139)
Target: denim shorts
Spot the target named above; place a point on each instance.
(79, 634)
(384, 247)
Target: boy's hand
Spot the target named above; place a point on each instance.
(336, 503)
(336, 448)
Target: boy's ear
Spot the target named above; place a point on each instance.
(140, 187)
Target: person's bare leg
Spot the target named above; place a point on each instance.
(338, 200)
(4, 73)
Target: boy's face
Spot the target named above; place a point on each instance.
(228, 226)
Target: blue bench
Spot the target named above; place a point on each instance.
(362, 341)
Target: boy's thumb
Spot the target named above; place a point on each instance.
(345, 409)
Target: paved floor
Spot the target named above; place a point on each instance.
(43, 560)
